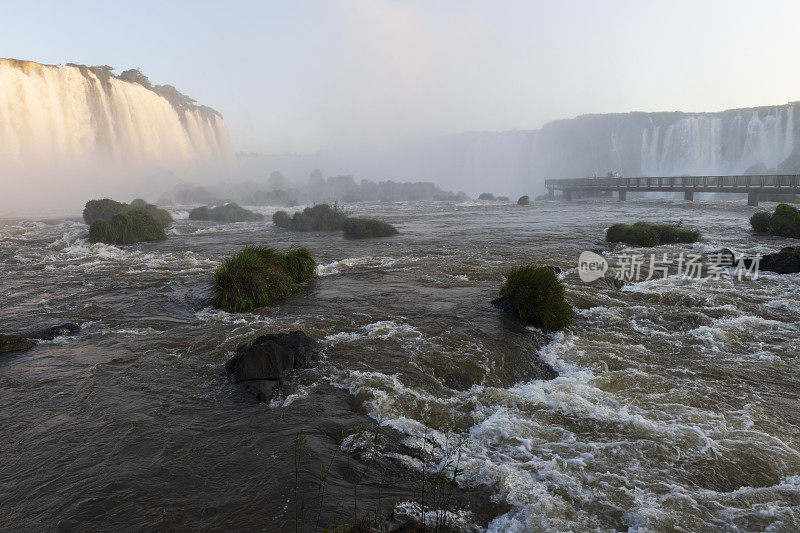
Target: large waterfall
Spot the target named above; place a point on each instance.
(726, 143)
(67, 114)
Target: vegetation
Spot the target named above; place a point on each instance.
(103, 209)
(106, 209)
(322, 217)
(760, 221)
(230, 212)
(524, 200)
(364, 228)
(537, 294)
(129, 227)
(647, 234)
(784, 222)
(258, 275)
(486, 196)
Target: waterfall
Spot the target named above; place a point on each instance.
(66, 114)
(728, 142)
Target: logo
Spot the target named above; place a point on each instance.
(591, 266)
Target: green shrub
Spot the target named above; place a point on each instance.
(134, 225)
(537, 294)
(106, 209)
(103, 209)
(785, 222)
(761, 221)
(299, 264)
(364, 228)
(230, 212)
(647, 234)
(258, 275)
(486, 196)
(161, 216)
(321, 217)
(282, 219)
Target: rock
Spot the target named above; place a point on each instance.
(14, 343)
(555, 269)
(724, 256)
(507, 307)
(263, 363)
(48, 334)
(524, 200)
(412, 525)
(787, 261)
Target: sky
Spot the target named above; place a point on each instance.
(300, 76)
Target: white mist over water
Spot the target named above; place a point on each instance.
(62, 126)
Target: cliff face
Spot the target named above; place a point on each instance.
(72, 113)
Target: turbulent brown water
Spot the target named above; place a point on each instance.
(677, 405)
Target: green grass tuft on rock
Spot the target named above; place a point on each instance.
(103, 209)
(106, 209)
(760, 221)
(365, 228)
(647, 234)
(321, 217)
(537, 294)
(259, 275)
(230, 212)
(132, 226)
(785, 221)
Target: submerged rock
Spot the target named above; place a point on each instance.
(14, 343)
(48, 334)
(786, 261)
(263, 363)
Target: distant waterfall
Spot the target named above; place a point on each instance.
(719, 143)
(65, 114)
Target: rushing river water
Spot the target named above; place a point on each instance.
(677, 404)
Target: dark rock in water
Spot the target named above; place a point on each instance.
(14, 343)
(506, 306)
(787, 261)
(48, 334)
(412, 525)
(554, 268)
(263, 363)
(724, 257)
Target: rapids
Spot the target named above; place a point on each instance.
(677, 404)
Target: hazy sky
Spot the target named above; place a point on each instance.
(297, 76)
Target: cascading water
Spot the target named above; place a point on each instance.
(724, 143)
(67, 114)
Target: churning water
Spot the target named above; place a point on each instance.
(676, 404)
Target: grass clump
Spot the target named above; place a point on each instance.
(784, 222)
(647, 234)
(230, 212)
(760, 221)
(321, 217)
(103, 209)
(258, 276)
(132, 226)
(537, 294)
(364, 228)
(106, 209)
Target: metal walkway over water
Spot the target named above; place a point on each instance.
(752, 186)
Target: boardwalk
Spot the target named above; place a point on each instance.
(752, 186)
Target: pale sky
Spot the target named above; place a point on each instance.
(299, 76)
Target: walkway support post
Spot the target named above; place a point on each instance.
(623, 195)
(568, 195)
(752, 199)
(688, 196)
